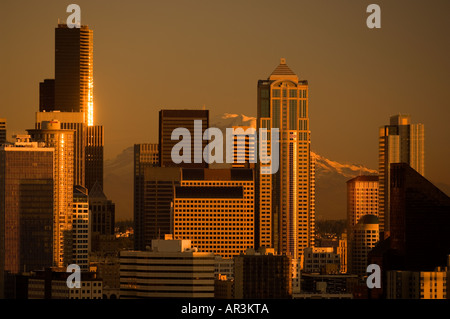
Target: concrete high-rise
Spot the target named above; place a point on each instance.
(362, 198)
(70, 121)
(214, 208)
(169, 120)
(286, 199)
(399, 142)
(62, 141)
(26, 208)
(362, 220)
(74, 84)
(365, 235)
(102, 211)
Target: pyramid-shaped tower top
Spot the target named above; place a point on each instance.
(282, 71)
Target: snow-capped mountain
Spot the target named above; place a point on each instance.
(331, 176)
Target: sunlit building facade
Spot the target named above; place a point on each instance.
(214, 209)
(81, 229)
(63, 142)
(286, 199)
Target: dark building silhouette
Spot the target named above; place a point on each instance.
(94, 156)
(262, 275)
(3, 138)
(154, 193)
(74, 70)
(102, 211)
(26, 209)
(169, 120)
(420, 225)
(47, 95)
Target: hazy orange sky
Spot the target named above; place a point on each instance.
(150, 55)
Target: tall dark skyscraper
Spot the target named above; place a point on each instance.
(74, 71)
(169, 120)
(26, 208)
(94, 156)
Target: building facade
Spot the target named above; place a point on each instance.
(323, 260)
(170, 269)
(154, 194)
(262, 274)
(214, 209)
(74, 79)
(365, 235)
(286, 199)
(62, 141)
(417, 284)
(81, 228)
(26, 208)
(399, 142)
(169, 120)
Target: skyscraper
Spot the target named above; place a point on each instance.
(364, 237)
(26, 207)
(362, 198)
(154, 195)
(74, 71)
(362, 220)
(70, 121)
(81, 229)
(62, 141)
(214, 209)
(399, 142)
(170, 120)
(286, 198)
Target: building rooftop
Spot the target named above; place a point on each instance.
(364, 178)
(369, 219)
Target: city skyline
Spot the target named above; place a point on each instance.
(305, 90)
(382, 77)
